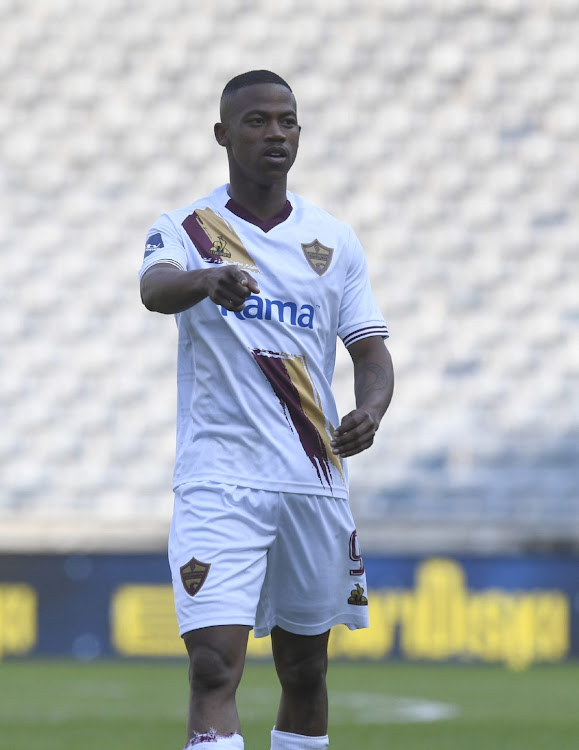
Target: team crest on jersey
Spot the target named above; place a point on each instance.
(193, 575)
(357, 596)
(318, 256)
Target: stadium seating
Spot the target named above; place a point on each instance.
(446, 133)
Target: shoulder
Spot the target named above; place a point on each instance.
(215, 199)
(311, 213)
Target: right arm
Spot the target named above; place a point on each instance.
(167, 289)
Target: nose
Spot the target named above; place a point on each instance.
(275, 131)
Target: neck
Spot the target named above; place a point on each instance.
(264, 201)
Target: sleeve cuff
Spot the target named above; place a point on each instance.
(156, 261)
(364, 332)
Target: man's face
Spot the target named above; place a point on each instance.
(260, 130)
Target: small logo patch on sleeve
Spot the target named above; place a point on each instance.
(154, 242)
(193, 575)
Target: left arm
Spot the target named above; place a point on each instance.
(373, 386)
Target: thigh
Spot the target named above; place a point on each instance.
(315, 577)
(218, 547)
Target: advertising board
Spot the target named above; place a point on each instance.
(517, 610)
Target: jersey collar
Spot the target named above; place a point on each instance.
(239, 210)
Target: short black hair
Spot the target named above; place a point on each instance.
(252, 77)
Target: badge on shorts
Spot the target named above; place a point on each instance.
(193, 575)
(318, 256)
(357, 596)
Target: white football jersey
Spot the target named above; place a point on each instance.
(255, 406)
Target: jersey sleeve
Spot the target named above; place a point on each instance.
(164, 245)
(360, 316)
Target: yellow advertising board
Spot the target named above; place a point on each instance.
(438, 619)
(18, 619)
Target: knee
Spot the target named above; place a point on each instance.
(303, 674)
(211, 669)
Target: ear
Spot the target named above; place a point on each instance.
(220, 131)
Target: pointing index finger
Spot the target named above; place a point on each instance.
(250, 282)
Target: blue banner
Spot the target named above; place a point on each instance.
(517, 610)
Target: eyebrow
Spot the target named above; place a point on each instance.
(256, 111)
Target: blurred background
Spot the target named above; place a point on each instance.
(447, 134)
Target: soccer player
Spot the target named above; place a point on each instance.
(262, 283)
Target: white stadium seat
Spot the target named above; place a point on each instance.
(445, 134)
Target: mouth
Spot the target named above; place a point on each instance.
(276, 153)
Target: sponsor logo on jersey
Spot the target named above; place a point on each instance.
(216, 241)
(219, 247)
(154, 242)
(261, 308)
(193, 575)
(296, 392)
(318, 256)
(357, 596)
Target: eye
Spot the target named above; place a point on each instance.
(256, 120)
(290, 122)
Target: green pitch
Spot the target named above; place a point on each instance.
(140, 706)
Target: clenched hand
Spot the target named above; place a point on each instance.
(355, 433)
(229, 287)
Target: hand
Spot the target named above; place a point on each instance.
(355, 433)
(229, 287)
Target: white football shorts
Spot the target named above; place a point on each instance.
(243, 556)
